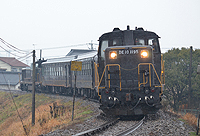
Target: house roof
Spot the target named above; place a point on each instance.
(9, 78)
(13, 62)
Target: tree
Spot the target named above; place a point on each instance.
(177, 77)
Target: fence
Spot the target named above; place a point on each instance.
(195, 112)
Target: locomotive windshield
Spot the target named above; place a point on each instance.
(139, 41)
(117, 42)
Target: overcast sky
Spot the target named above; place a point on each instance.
(59, 23)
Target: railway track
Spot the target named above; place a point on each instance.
(131, 129)
(109, 123)
(98, 129)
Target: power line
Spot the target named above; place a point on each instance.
(61, 47)
(9, 51)
(12, 47)
(25, 57)
(15, 49)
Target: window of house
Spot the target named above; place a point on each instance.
(14, 69)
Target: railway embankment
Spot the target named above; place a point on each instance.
(86, 117)
(18, 122)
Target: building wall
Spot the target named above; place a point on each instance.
(5, 66)
(16, 69)
(11, 87)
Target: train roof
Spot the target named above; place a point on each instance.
(138, 32)
(78, 51)
(80, 56)
(90, 54)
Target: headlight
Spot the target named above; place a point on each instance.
(113, 55)
(144, 54)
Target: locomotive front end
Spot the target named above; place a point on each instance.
(129, 81)
(130, 72)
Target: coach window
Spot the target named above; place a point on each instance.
(50, 70)
(104, 45)
(54, 71)
(61, 71)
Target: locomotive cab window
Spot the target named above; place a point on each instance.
(139, 41)
(154, 43)
(117, 42)
(104, 45)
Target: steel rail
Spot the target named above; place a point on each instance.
(98, 129)
(131, 129)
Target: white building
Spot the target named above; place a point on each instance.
(11, 64)
(10, 73)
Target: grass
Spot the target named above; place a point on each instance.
(189, 119)
(10, 124)
(193, 134)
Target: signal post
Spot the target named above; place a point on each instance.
(75, 66)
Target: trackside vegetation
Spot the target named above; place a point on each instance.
(177, 78)
(10, 123)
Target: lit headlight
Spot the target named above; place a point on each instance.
(144, 54)
(113, 55)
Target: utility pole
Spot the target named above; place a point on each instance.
(74, 96)
(91, 48)
(190, 74)
(33, 90)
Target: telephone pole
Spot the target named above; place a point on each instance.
(33, 90)
(190, 74)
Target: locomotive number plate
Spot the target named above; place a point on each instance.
(128, 52)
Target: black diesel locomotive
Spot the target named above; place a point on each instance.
(129, 65)
(125, 74)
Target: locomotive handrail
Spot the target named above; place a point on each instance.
(150, 64)
(162, 75)
(144, 80)
(108, 65)
(96, 75)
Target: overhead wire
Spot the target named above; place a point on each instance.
(25, 57)
(12, 47)
(9, 51)
(61, 47)
(24, 52)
